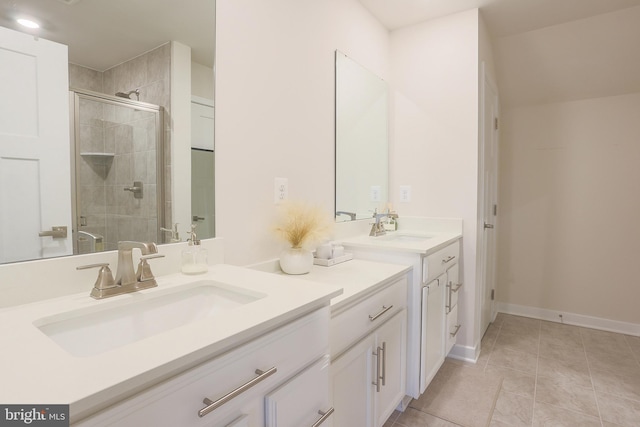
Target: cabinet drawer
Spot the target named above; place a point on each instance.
(177, 401)
(290, 406)
(453, 287)
(437, 263)
(453, 327)
(350, 325)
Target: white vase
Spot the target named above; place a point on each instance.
(296, 261)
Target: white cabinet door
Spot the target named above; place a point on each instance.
(369, 380)
(35, 160)
(351, 386)
(433, 341)
(453, 327)
(301, 401)
(392, 336)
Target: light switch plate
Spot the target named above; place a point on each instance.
(281, 190)
(405, 193)
(374, 193)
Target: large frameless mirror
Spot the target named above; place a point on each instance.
(136, 73)
(362, 149)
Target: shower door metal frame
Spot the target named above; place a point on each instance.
(74, 105)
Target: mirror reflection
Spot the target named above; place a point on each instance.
(119, 165)
(362, 152)
(138, 125)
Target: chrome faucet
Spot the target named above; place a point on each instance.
(125, 274)
(377, 228)
(127, 280)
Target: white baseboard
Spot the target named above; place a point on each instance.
(464, 353)
(570, 318)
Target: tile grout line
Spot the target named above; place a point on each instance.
(635, 356)
(486, 365)
(535, 382)
(593, 384)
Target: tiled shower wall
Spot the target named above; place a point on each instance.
(111, 211)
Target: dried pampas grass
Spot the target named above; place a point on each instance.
(303, 225)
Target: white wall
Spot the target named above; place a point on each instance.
(275, 108)
(201, 80)
(567, 242)
(435, 132)
(583, 59)
(570, 202)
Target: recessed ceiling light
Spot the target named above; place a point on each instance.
(28, 23)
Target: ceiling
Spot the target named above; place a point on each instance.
(552, 39)
(104, 33)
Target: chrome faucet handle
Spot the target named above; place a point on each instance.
(175, 236)
(144, 273)
(104, 280)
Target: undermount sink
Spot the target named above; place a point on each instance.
(94, 330)
(404, 237)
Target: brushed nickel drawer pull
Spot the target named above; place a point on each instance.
(383, 377)
(377, 383)
(383, 311)
(456, 288)
(448, 259)
(324, 417)
(213, 405)
(454, 333)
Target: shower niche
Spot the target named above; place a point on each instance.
(118, 166)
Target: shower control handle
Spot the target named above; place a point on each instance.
(136, 189)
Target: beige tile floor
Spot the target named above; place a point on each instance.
(553, 375)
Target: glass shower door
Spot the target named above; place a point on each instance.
(119, 171)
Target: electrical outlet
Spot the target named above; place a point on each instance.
(405, 193)
(374, 193)
(281, 188)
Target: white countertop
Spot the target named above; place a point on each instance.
(392, 241)
(34, 369)
(357, 278)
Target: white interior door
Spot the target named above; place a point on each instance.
(35, 175)
(202, 167)
(490, 200)
(202, 123)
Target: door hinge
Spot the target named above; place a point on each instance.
(495, 123)
(493, 294)
(495, 210)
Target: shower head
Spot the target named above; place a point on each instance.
(127, 95)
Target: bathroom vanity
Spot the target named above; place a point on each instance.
(225, 348)
(342, 345)
(432, 248)
(368, 339)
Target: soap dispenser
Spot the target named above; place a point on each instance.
(194, 258)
